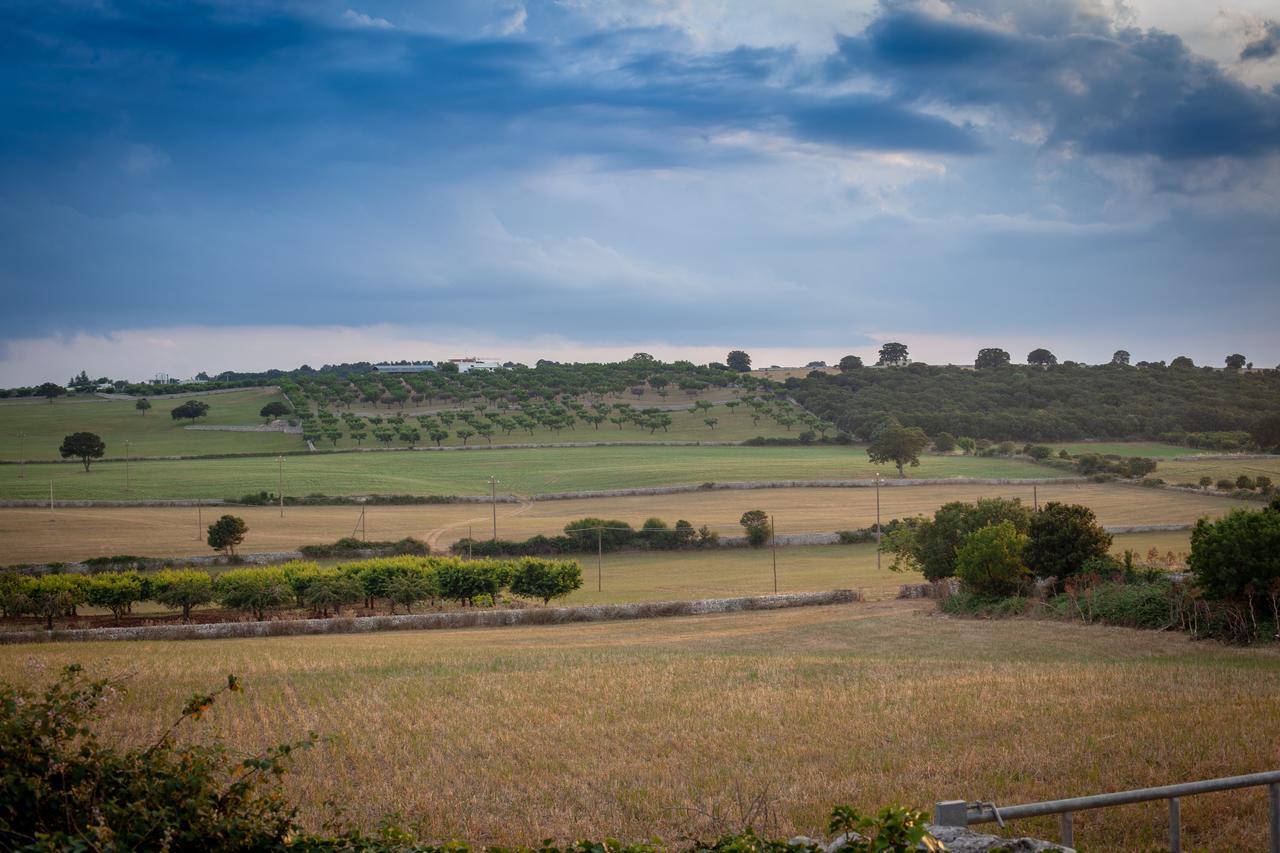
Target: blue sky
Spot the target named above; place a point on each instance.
(253, 184)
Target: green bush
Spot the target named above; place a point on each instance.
(114, 591)
(1134, 605)
(182, 589)
(1237, 557)
(929, 546)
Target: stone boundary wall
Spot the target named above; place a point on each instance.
(435, 621)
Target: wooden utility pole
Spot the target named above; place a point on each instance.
(877, 521)
(774, 530)
(493, 499)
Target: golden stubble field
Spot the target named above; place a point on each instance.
(34, 535)
(672, 728)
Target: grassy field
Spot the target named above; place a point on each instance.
(33, 535)
(521, 471)
(1227, 467)
(672, 728)
(153, 434)
(1152, 449)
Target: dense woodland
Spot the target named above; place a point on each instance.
(1056, 403)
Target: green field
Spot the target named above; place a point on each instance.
(1151, 449)
(152, 434)
(521, 471)
(674, 727)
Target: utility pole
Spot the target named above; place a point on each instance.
(469, 541)
(774, 530)
(1035, 498)
(280, 482)
(599, 559)
(877, 521)
(199, 522)
(126, 466)
(51, 497)
(22, 461)
(493, 499)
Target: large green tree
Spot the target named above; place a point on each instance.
(991, 357)
(1063, 537)
(898, 445)
(85, 446)
(850, 362)
(1235, 361)
(738, 360)
(49, 390)
(1041, 357)
(189, 410)
(893, 354)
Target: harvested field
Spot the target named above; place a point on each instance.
(34, 535)
(674, 727)
(1226, 468)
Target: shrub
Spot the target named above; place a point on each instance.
(332, 589)
(1206, 482)
(1145, 604)
(1063, 537)
(944, 442)
(1039, 451)
(990, 560)
(609, 534)
(182, 589)
(411, 587)
(1225, 485)
(1244, 481)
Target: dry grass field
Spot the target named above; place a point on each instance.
(1228, 467)
(677, 727)
(32, 535)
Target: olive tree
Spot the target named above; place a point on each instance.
(85, 446)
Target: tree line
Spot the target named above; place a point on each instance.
(258, 591)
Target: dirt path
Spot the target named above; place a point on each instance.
(436, 537)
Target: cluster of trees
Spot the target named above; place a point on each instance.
(256, 591)
(997, 546)
(1056, 402)
(587, 535)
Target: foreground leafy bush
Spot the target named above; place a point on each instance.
(990, 560)
(63, 788)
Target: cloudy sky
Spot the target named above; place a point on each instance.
(250, 183)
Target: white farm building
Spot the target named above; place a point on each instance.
(464, 364)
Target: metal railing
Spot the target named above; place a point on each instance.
(961, 813)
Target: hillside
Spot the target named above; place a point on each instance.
(1061, 403)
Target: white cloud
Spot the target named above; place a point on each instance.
(511, 23)
(352, 18)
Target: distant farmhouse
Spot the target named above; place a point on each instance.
(464, 365)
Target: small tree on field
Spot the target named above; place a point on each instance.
(189, 410)
(545, 579)
(331, 589)
(711, 422)
(275, 409)
(756, 523)
(114, 591)
(143, 405)
(990, 560)
(899, 445)
(944, 442)
(226, 533)
(1062, 538)
(182, 589)
(85, 446)
(410, 588)
(51, 596)
(49, 390)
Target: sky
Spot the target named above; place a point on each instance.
(248, 184)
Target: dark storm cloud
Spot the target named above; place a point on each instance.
(1265, 45)
(1123, 91)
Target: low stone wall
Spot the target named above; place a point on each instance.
(471, 618)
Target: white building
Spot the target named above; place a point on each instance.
(465, 364)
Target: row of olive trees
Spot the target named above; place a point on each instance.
(256, 591)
